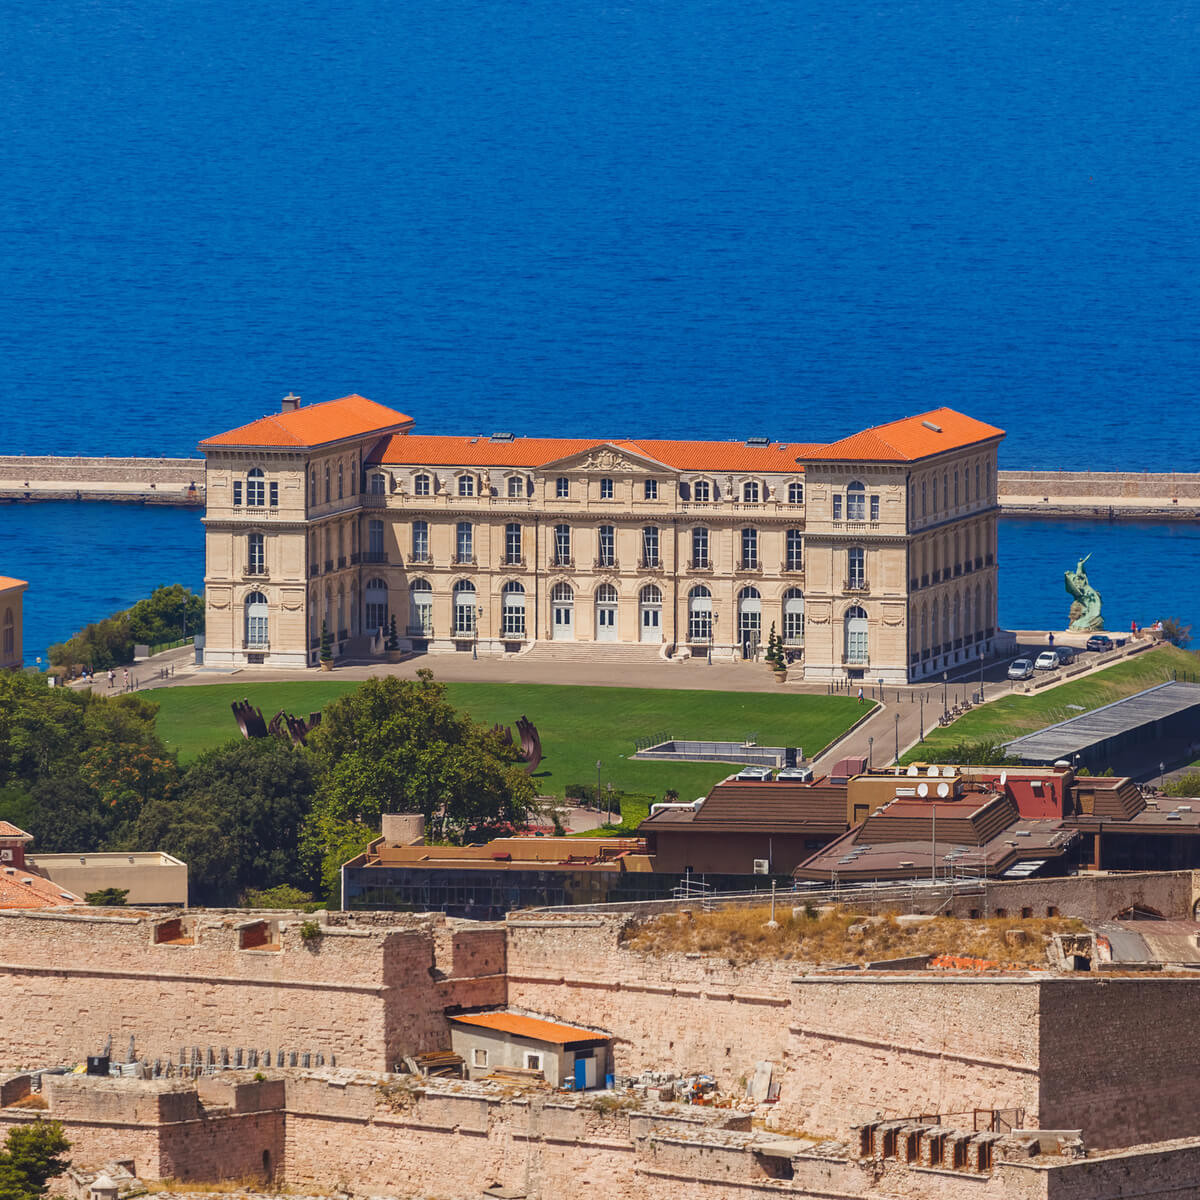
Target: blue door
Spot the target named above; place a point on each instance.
(580, 1074)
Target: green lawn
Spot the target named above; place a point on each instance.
(1002, 720)
(578, 725)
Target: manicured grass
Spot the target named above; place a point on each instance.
(578, 725)
(1002, 720)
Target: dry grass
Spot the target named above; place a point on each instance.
(33, 1100)
(740, 935)
(247, 1185)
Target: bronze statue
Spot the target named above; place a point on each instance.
(1085, 608)
(250, 721)
(531, 743)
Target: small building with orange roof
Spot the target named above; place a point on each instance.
(874, 557)
(564, 1055)
(12, 595)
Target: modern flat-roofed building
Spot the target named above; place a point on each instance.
(12, 594)
(874, 557)
(149, 876)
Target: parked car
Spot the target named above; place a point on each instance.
(1021, 668)
(754, 775)
(1066, 654)
(796, 774)
(1099, 641)
(1048, 660)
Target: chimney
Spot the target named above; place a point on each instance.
(290, 402)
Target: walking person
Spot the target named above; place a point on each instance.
(861, 698)
(112, 678)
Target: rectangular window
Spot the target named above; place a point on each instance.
(466, 485)
(856, 567)
(856, 503)
(874, 508)
(514, 616)
(700, 547)
(562, 545)
(375, 540)
(516, 486)
(837, 506)
(479, 1058)
(607, 546)
(421, 485)
(237, 493)
(749, 549)
(274, 485)
(256, 559)
(795, 493)
(699, 622)
(420, 541)
(702, 491)
(651, 489)
(562, 487)
(512, 544)
(650, 546)
(606, 489)
(255, 489)
(464, 545)
(795, 550)
(533, 1062)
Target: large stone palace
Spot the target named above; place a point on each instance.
(874, 557)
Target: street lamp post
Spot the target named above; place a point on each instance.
(870, 751)
(980, 676)
(921, 706)
(945, 701)
(897, 739)
(599, 764)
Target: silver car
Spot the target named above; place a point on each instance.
(1048, 660)
(1022, 668)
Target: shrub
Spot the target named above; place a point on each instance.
(310, 932)
(326, 643)
(107, 897)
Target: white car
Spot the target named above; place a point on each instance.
(1022, 668)
(1047, 661)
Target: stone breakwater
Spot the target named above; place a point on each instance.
(1094, 495)
(28, 478)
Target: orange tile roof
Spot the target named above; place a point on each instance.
(39, 892)
(7, 581)
(719, 456)
(9, 831)
(314, 425)
(530, 1027)
(910, 439)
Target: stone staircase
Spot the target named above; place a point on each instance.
(624, 653)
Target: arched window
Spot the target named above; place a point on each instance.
(856, 568)
(980, 618)
(795, 493)
(561, 593)
(650, 613)
(353, 475)
(955, 487)
(516, 486)
(256, 621)
(466, 485)
(988, 616)
(10, 627)
(856, 502)
(562, 546)
(956, 622)
(328, 491)
(749, 614)
(420, 608)
(464, 608)
(375, 596)
(946, 624)
(700, 614)
(562, 612)
(341, 480)
(702, 491)
(256, 555)
(606, 613)
(353, 609)
(422, 485)
(933, 627)
(968, 630)
(793, 617)
(751, 491)
(856, 635)
(256, 488)
(514, 609)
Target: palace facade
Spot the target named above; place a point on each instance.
(874, 557)
(12, 593)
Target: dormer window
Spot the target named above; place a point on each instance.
(379, 483)
(606, 489)
(795, 493)
(750, 492)
(422, 484)
(466, 485)
(702, 491)
(516, 486)
(650, 489)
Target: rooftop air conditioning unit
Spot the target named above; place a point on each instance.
(761, 866)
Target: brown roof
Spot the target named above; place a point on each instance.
(7, 581)
(26, 889)
(972, 819)
(737, 807)
(531, 1027)
(315, 425)
(8, 831)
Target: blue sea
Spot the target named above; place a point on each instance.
(702, 218)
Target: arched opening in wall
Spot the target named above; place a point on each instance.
(1139, 912)
(562, 613)
(420, 609)
(375, 597)
(256, 621)
(464, 609)
(606, 613)
(513, 610)
(793, 617)
(749, 610)
(855, 635)
(700, 615)
(266, 1162)
(650, 614)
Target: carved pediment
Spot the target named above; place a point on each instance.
(609, 460)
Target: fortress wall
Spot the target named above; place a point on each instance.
(899, 1046)
(68, 983)
(175, 472)
(1102, 485)
(677, 1012)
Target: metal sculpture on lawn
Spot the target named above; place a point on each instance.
(250, 721)
(531, 742)
(1085, 608)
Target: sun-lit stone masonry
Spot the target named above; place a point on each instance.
(242, 982)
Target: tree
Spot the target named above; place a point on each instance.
(168, 614)
(393, 638)
(32, 1156)
(398, 745)
(775, 650)
(1176, 632)
(326, 643)
(107, 897)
